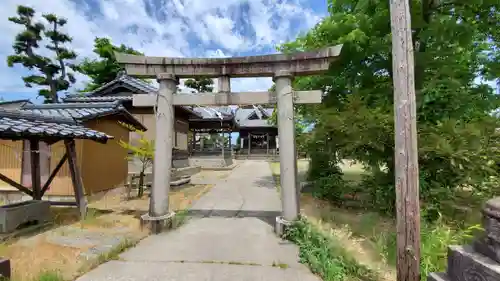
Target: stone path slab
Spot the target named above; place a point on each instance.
(93, 242)
(218, 244)
(147, 271)
(249, 188)
(226, 240)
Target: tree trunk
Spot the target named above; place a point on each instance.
(53, 90)
(140, 191)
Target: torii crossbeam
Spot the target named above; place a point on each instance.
(282, 67)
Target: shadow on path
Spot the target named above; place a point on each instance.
(268, 217)
(268, 181)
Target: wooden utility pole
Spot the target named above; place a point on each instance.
(406, 151)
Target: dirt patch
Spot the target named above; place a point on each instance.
(67, 249)
(179, 199)
(28, 262)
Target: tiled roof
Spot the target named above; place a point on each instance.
(13, 104)
(98, 95)
(213, 112)
(80, 112)
(14, 101)
(97, 98)
(17, 124)
(138, 84)
(83, 111)
(242, 115)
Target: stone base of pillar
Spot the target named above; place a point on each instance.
(159, 224)
(281, 226)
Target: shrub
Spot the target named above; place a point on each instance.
(324, 255)
(435, 239)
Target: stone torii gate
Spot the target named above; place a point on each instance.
(168, 71)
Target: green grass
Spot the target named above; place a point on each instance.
(352, 172)
(434, 241)
(44, 276)
(280, 265)
(49, 276)
(180, 218)
(325, 256)
(113, 254)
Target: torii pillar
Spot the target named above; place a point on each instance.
(282, 67)
(288, 159)
(159, 215)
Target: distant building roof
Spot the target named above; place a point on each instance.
(253, 117)
(122, 78)
(14, 103)
(214, 112)
(83, 98)
(82, 112)
(101, 94)
(17, 124)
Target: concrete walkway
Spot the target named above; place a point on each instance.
(230, 238)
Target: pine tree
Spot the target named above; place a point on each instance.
(51, 74)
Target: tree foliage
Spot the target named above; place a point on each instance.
(201, 85)
(455, 42)
(105, 68)
(51, 74)
(143, 151)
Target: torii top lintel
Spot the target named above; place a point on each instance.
(298, 64)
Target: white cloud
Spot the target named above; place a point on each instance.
(221, 30)
(177, 28)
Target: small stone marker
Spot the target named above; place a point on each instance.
(489, 245)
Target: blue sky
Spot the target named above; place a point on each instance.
(178, 28)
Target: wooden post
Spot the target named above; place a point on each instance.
(267, 144)
(406, 151)
(223, 144)
(35, 169)
(54, 173)
(249, 142)
(76, 178)
(193, 142)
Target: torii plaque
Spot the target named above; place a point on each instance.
(282, 67)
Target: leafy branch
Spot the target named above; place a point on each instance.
(143, 151)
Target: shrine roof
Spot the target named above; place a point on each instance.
(104, 93)
(254, 117)
(82, 112)
(19, 124)
(214, 112)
